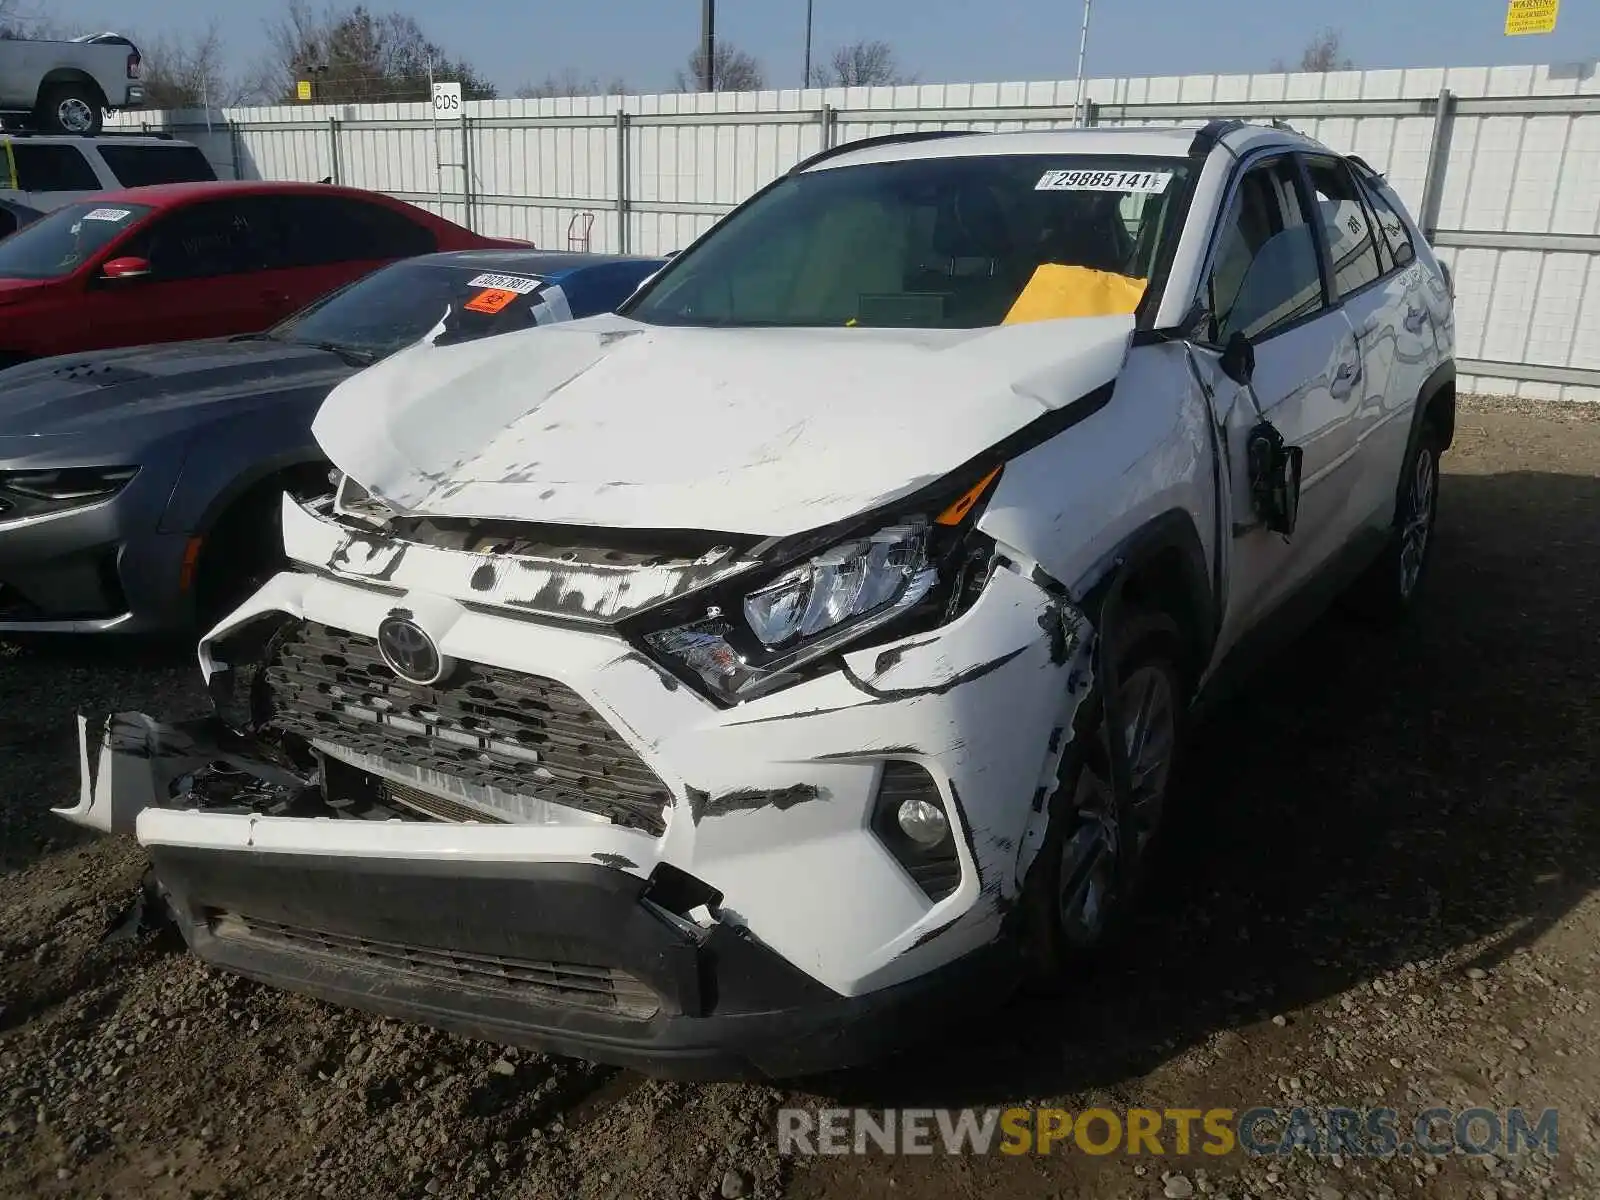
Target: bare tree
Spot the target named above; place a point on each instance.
(860, 64)
(355, 54)
(20, 20)
(736, 71)
(1323, 53)
(187, 71)
(570, 83)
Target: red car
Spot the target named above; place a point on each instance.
(198, 260)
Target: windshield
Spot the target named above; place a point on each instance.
(60, 243)
(394, 307)
(942, 243)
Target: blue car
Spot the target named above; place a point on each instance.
(139, 488)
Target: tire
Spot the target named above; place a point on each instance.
(1088, 870)
(74, 108)
(1387, 591)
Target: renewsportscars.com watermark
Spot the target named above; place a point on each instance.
(1262, 1132)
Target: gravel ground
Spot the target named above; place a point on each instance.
(1380, 892)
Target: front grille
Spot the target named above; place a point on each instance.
(575, 985)
(522, 733)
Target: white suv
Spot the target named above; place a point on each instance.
(48, 171)
(722, 685)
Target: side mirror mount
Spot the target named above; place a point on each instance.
(117, 269)
(1238, 360)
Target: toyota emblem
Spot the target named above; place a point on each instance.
(409, 651)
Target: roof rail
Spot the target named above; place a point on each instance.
(107, 133)
(1211, 133)
(885, 139)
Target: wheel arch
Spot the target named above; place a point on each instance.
(270, 474)
(72, 75)
(1161, 566)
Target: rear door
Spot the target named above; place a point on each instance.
(209, 266)
(333, 239)
(50, 174)
(1264, 279)
(1382, 287)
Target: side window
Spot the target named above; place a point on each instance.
(219, 237)
(1351, 247)
(1264, 271)
(1395, 234)
(332, 229)
(8, 221)
(49, 168)
(140, 166)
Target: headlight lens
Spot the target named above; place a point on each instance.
(806, 612)
(851, 580)
(65, 487)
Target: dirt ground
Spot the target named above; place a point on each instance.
(1381, 891)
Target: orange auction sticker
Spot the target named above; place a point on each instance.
(490, 300)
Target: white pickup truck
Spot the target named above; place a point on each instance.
(66, 87)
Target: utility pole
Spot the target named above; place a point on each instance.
(1083, 50)
(708, 43)
(805, 80)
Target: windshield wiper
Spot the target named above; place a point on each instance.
(356, 358)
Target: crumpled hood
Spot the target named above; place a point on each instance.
(146, 388)
(607, 422)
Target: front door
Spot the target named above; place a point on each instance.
(1265, 281)
(210, 275)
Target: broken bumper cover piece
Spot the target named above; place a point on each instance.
(565, 958)
(141, 763)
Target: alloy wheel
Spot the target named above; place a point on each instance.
(1091, 853)
(1418, 521)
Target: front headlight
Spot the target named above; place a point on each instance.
(29, 493)
(855, 579)
(924, 565)
(807, 612)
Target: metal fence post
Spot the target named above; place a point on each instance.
(333, 149)
(236, 148)
(466, 172)
(828, 117)
(622, 181)
(1438, 163)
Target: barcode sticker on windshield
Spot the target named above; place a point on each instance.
(108, 214)
(520, 284)
(1103, 181)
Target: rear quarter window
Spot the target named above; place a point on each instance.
(142, 166)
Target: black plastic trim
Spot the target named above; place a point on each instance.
(731, 1007)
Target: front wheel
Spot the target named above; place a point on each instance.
(1090, 865)
(71, 108)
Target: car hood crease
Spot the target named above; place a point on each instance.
(607, 422)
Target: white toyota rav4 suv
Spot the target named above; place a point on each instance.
(721, 686)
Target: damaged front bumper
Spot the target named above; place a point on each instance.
(754, 920)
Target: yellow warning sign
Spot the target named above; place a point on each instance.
(302, 88)
(1531, 16)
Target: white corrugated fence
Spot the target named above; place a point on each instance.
(1501, 165)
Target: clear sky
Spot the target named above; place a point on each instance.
(941, 41)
